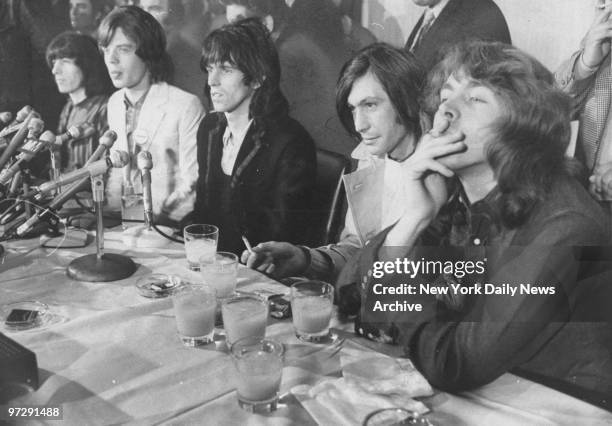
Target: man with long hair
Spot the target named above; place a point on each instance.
(378, 100)
(149, 114)
(256, 164)
(79, 72)
(510, 292)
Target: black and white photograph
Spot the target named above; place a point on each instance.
(306, 212)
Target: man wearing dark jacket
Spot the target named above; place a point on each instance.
(451, 21)
(256, 165)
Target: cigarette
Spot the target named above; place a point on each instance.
(247, 244)
(604, 5)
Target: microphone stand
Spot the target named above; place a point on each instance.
(100, 266)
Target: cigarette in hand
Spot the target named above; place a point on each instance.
(247, 244)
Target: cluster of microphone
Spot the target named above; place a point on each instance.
(27, 139)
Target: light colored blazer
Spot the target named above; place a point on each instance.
(167, 128)
(364, 193)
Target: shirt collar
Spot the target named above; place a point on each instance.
(437, 9)
(237, 136)
(138, 103)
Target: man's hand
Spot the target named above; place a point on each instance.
(597, 40)
(424, 182)
(600, 182)
(281, 260)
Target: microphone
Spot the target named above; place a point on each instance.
(116, 159)
(82, 131)
(5, 117)
(30, 149)
(145, 164)
(107, 140)
(20, 117)
(17, 140)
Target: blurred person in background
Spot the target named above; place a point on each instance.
(79, 72)
(273, 13)
(26, 28)
(85, 15)
(186, 72)
(312, 49)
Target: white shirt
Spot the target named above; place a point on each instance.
(231, 145)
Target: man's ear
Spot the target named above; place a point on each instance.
(268, 21)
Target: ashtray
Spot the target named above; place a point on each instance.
(156, 286)
(24, 315)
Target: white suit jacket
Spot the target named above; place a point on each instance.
(167, 128)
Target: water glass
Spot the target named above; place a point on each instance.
(312, 306)
(200, 244)
(244, 315)
(132, 207)
(259, 367)
(221, 274)
(194, 309)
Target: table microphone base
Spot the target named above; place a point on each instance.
(111, 267)
(143, 237)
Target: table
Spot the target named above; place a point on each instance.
(113, 357)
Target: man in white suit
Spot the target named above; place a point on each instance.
(149, 114)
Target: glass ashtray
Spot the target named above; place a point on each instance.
(25, 315)
(156, 286)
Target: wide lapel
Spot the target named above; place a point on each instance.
(447, 21)
(214, 151)
(151, 115)
(364, 189)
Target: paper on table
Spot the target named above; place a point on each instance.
(371, 381)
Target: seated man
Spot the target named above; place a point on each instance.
(80, 73)
(149, 114)
(256, 164)
(502, 128)
(377, 100)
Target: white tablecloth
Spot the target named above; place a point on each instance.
(111, 356)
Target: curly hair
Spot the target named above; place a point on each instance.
(528, 152)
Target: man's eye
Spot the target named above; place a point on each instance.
(370, 105)
(476, 99)
(227, 70)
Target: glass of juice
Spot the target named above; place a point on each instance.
(259, 367)
(244, 315)
(312, 306)
(200, 244)
(194, 310)
(221, 273)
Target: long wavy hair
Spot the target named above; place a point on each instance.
(247, 46)
(398, 72)
(528, 153)
(84, 50)
(146, 32)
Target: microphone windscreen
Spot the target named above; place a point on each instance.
(22, 114)
(108, 138)
(119, 158)
(144, 160)
(48, 138)
(35, 127)
(5, 117)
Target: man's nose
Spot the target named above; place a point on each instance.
(55, 69)
(361, 121)
(449, 109)
(213, 77)
(110, 56)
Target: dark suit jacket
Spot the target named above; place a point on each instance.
(271, 183)
(460, 20)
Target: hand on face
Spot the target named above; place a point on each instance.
(597, 40)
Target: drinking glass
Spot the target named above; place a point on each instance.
(244, 315)
(194, 309)
(200, 244)
(259, 366)
(312, 305)
(132, 207)
(221, 274)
